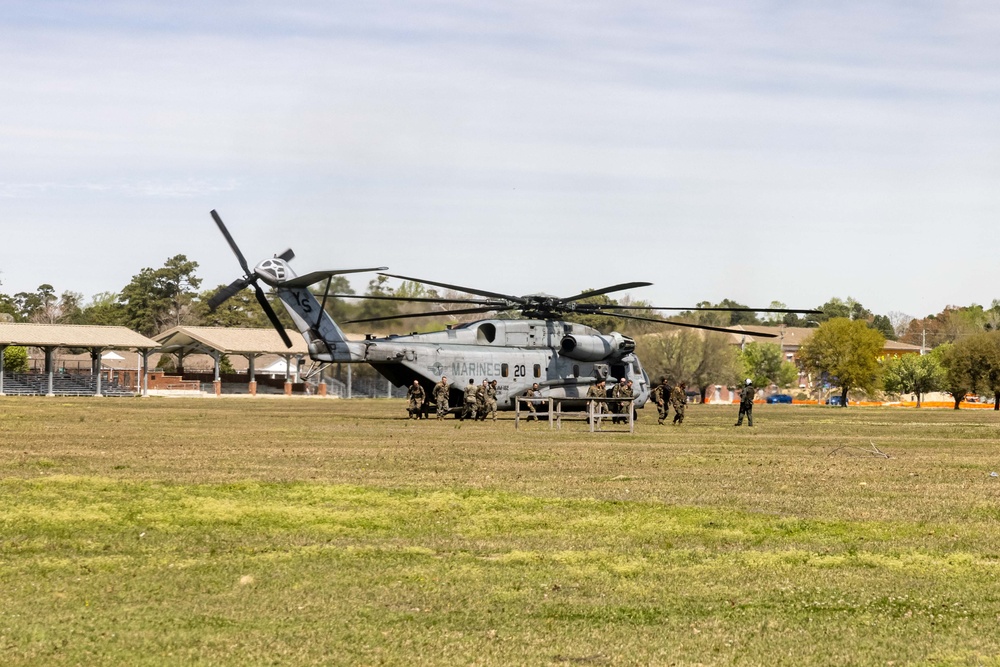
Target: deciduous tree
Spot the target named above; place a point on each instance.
(765, 364)
(837, 307)
(104, 309)
(847, 352)
(990, 347)
(369, 308)
(963, 370)
(702, 359)
(972, 364)
(912, 374)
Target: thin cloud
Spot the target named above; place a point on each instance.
(146, 188)
(753, 136)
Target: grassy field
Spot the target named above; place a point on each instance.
(296, 532)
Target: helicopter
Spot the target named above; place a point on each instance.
(564, 358)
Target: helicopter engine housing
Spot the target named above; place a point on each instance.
(595, 347)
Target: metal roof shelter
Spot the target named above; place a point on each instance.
(217, 341)
(49, 337)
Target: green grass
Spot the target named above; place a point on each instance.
(213, 532)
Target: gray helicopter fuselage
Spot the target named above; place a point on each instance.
(564, 358)
(515, 353)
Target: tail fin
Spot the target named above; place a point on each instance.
(325, 339)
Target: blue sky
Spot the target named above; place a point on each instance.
(756, 151)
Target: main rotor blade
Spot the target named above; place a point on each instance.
(229, 290)
(436, 313)
(271, 315)
(605, 290)
(493, 295)
(232, 243)
(318, 276)
(416, 299)
(717, 308)
(689, 325)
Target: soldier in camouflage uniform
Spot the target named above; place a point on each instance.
(491, 400)
(678, 399)
(747, 395)
(469, 407)
(481, 400)
(630, 394)
(415, 397)
(622, 390)
(532, 393)
(597, 390)
(440, 394)
(661, 396)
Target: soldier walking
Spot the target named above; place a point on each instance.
(746, 403)
(661, 396)
(415, 397)
(491, 400)
(440, 393)
(469, 407)
(481, 400)
(678, 400)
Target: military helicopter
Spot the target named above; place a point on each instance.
(563, 357)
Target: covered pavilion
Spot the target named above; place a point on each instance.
(215, 342)
(50, 337)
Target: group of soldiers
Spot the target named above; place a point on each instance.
(479, 402)
(667, 396)
(622, 390)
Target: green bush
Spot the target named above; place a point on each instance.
(15, 359)
(166, 364)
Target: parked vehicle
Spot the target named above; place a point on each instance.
(833, 400)
(779, 398)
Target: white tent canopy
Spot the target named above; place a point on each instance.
(278, 367)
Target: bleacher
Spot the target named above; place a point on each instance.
(63, 384)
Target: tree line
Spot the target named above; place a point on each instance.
(844, 352)
(157, 299)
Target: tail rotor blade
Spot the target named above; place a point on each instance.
(271, 315)
(232, 243)
(223, 294)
